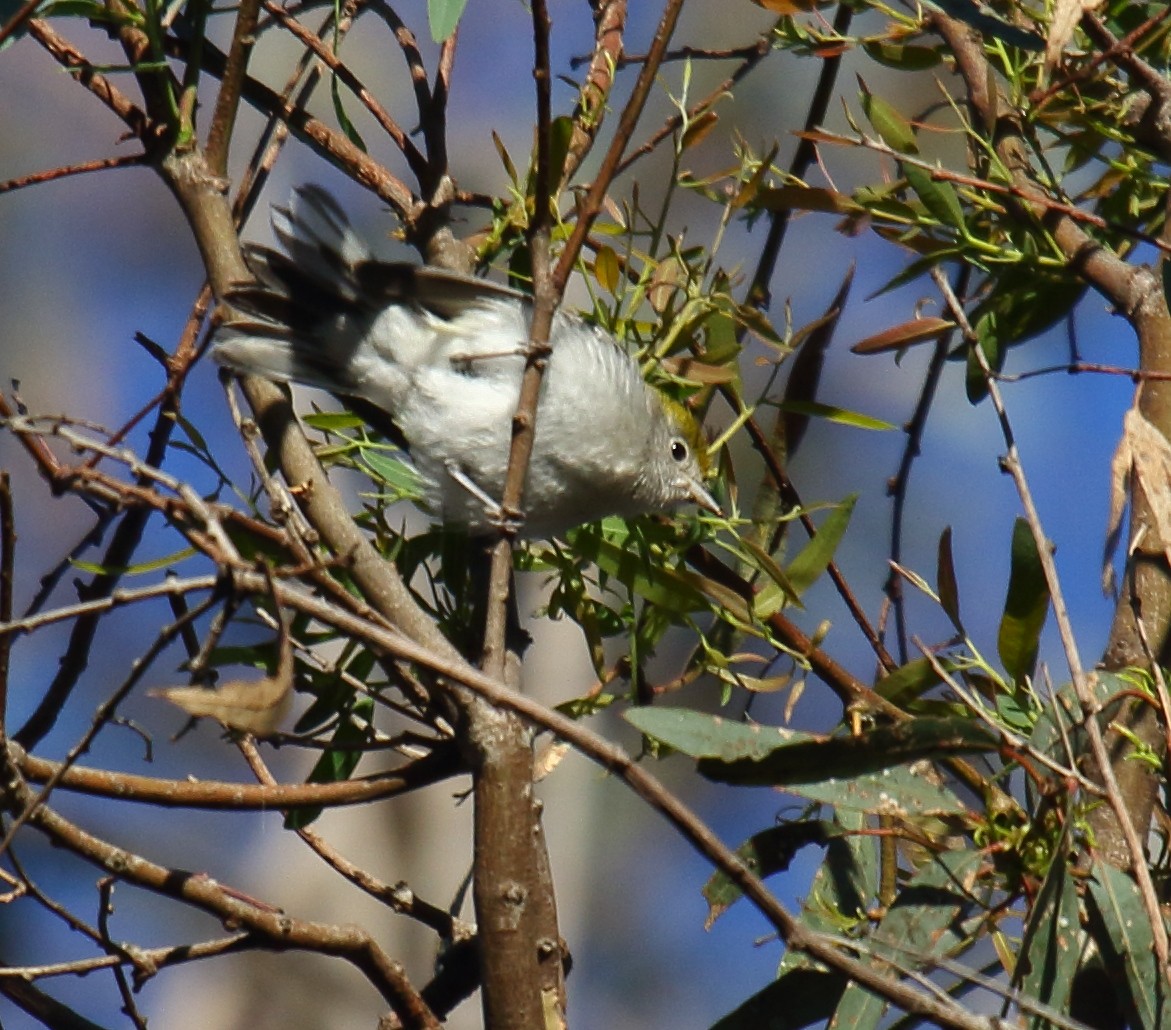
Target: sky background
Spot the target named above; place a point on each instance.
(88, 261)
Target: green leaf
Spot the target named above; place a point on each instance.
(946, 585)
(395, 474)
(800, 997)
(673, 589)
(911, 681)
(812, 760)
(892, 127)
(770, 851)
(940, 198)
(699, 735)
(900, 791)
(1050, 944)
(137, 569)
(925, 921)
(1059, 731)
(902, 56)
(560, 138)
(8, 9)
(606, 269)
(805, 198)
(779, 591)
(975, 381)
(341, 757)
(343, 119)
(975, 15)
(839, 416)
(443, 16)
(843, 888)
(1025, 607)
(333, 421)
(1024, 303)
(1128, 945)
(816, 555)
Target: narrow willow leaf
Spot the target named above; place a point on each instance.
(698, 129)
(892, 127)
(911, 681)
(816, 555)
(443, 17)
(1128, 944)
(807, 365)
(770, 851)
(946, 585)
(903, 56)
(606, 269)
(700, 735)
(905, 334)
(938, 197)
(806, 198)
(975, 381)
(333, 421)
(394, 474)
(137, 569)
(1050, 943)
(764, 562)
(340, 758)
(1025, 607)
(505, 159)
(805, 995)
(925, 921)
(839, 416)
(844, 887)
(825, 759)
(343, 119)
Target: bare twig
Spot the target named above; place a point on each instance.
(1012, 465)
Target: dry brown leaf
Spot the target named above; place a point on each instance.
(250, 706)
(547, 759)
(1141, 461)
(1066, 15)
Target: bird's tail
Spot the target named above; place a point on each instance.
(302, 317)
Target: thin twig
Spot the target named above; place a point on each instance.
(1012, 465)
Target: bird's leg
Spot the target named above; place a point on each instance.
(492, 508)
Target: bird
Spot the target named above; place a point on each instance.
(436, 357)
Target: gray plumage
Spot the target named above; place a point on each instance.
(442, 355)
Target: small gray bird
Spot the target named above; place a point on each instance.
(442, 355)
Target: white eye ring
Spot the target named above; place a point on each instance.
(679, 450)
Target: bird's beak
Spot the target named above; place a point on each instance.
(700, 496)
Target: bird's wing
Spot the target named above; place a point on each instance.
(443, 293)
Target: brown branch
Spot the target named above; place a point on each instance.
(752, 57)
(520, 954)
(591, 204)
(270, 926)
(7, 562)
(1105, 767)
(227, 101)
(625, 767)
(242, 797)
(590, 111)
(333, 146)
(418, 163)
(71, 58)
(100, 164)
(1138, 296)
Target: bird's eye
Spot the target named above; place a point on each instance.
(679, 450)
